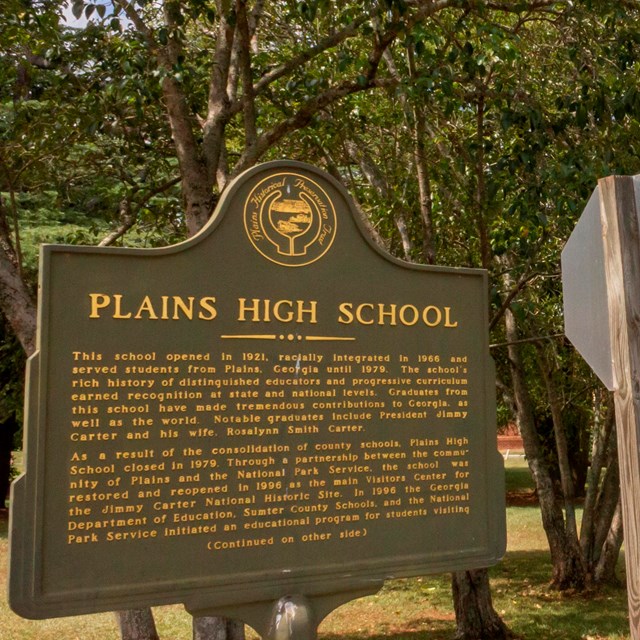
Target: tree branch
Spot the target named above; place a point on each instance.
(133, 15)
(248, 97)
(218, 111)
(517, 288)
(129, 217)
(327, 43)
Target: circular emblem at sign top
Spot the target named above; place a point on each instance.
(290, 219)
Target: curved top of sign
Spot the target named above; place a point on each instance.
(292, 213)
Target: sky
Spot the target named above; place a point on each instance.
(72, 21)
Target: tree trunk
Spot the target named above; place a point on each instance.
(137, 624)
(420, 136)
(607, 505)
(605, 570)
(567, 567)
(379, 182)
(213, 628)
(604, 438)
(578, 573)
(476, 619)
(16, 303)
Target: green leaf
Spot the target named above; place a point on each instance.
(78, 9)
(581, 116)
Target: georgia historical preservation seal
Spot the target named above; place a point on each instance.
(290, 219)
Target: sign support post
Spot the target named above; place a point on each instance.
(607, 237)
(621, 237)
(291, 617)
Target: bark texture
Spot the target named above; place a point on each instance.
(16, 302)
(568, 569)
(137, 624)
(576, 575)
(476, 619)
(605, 569)
(214, 628)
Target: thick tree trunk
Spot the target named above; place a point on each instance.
(417, 121)
(196, 184)
(16, 303)
(476, 619)
(213, 628)
(137, 624)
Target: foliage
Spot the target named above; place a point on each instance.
(12, 364)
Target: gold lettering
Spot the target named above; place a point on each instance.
(146, 307)
(117, 314)
(447, 321)
(413, 310)
(179, 304)
(408, 315)
(345, 308)
(254, 309)
(208, 310)
(438, 316)
(311, 311)
(98, 301)
(162, 308)
(287, 317)
(391, 313)
(281, 310)
(359, 317)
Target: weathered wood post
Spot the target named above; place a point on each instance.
(618, 248)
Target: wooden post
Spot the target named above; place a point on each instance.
(621, 240)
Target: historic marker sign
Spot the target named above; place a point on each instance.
(273, 407)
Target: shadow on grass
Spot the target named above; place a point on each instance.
(437, 630)
(521, 593)
(421, 609)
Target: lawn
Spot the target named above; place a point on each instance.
(414, 609)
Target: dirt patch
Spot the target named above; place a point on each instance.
(522, 499)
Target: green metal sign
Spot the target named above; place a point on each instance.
(274, 407)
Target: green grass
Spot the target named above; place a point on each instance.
(413, 609)
(517, 476)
